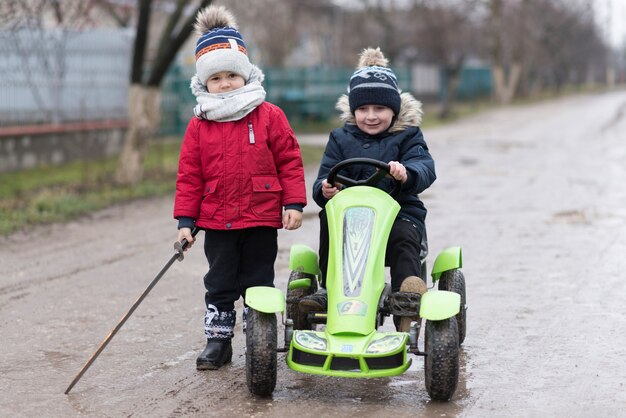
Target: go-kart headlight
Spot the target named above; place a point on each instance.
(311, 340)
(385, 344)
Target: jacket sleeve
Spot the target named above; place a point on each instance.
(332, 156)
(189, 180)
(419, 164)
(288, 159)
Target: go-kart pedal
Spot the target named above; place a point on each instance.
(405, 304)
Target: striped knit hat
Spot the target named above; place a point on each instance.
(220, 46)
(373, 83)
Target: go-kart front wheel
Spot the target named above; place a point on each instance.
(441, 363)
(261, 344)
(300, 320)
(454, 281)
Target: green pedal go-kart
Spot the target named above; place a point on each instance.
(360, 218)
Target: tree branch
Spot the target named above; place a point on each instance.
(106, 5)
(171, 25)
(164, 59)
(141, 40)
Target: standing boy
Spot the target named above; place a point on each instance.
(239, 166)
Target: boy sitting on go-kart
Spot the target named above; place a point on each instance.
(383, 124)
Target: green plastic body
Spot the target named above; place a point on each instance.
(265, 299)
(350, 345)
(350, 348)
(448, 259)
(299, 284)
(436, 305)
(303, 259)
(363, 258)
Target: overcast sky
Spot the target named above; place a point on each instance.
(616, 21)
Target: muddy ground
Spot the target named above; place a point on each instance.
(536, 197)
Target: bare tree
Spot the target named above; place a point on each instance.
(276, 28)
(272, 27)
(37, 33)
(446, 35)
(146, 77)
(564, 45)
(120, 13)
(507, 46)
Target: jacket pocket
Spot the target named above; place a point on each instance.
(210, 198)
(265, 200)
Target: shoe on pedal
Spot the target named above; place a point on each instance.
(411, 284)
(317, 302)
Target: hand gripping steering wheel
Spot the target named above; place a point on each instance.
(381, 172)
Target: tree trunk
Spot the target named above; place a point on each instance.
(453, 76)
(144, 117)
(505, 89)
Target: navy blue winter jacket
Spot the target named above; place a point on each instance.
(406, 146)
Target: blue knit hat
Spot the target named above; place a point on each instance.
(220, 46)
(374, 83)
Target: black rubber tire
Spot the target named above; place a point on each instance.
(441, 363)
(293, 297)
(261, 354)
(454, 281)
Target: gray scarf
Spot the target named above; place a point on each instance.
(232, 105)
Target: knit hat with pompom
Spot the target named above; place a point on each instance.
(373, 83)
(220, 46)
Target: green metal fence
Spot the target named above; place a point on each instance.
(474, 83)
(311, 93)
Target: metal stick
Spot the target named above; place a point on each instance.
(179, 247)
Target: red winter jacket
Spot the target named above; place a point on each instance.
(234, 175)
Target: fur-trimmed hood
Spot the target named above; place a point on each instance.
(410, 114)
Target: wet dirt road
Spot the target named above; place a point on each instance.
(536, 197)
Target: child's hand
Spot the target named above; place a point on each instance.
(185, 233)
(397, 171)
(292, 219)
(328, 191)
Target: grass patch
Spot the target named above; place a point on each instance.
(311, 154)
(61, 193)
(316, 126)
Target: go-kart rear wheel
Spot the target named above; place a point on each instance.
(454, 281)
(261, 344)
(441, 363)
(300, 320)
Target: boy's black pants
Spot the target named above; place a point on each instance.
(238, 259)
(402, 255)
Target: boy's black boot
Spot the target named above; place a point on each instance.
(317, 302)
(215, 355)
(218, 327)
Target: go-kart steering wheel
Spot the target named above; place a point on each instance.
(383, 171)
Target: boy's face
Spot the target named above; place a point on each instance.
(224, 81)
(373, 119)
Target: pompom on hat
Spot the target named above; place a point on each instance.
(374, 83)
(220, 46)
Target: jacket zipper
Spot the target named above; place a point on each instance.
(250, 133)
